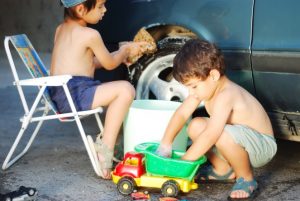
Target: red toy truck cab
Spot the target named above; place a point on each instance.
(132, 165)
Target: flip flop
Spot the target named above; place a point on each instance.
(243, 185)
(205, 172)
(94, 153)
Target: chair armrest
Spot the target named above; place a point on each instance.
(57, 80)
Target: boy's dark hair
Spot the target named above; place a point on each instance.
(70, 12)
(196, 59)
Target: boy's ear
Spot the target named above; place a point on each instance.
(214, 75)
(80, 10)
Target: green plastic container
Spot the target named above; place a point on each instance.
(170, 167)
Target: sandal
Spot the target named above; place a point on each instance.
(249, 187)
(207, 171)
(98, 140)
(100, 147)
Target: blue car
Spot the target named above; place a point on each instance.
(260, 40)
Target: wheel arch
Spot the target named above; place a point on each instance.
(161, 31)
(127, 175)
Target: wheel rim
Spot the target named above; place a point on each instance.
(151, 82)
(170, 191)
(31, 192)
(125, 186)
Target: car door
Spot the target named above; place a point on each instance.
(276, 63)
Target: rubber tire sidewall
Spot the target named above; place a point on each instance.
(166, 47)
(129, 180)
(173, 184)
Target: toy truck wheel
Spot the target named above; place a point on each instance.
(126, 185)
(170, 188)
(29, 191)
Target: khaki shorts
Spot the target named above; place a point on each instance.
(261, 148)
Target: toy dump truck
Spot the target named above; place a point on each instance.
(144, 168)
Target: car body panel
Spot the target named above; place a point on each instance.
(276, 62)
(215, 20)
(276, 54)
(276, 25)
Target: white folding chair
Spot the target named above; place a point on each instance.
(42, 104)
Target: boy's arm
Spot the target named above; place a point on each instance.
(219, 116)
(111, 60)
(97, 64)
(103, 57)
(179, 118)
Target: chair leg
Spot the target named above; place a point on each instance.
(7, 162)
(84, 139)
(99, 123)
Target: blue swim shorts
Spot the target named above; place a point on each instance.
(82, 91)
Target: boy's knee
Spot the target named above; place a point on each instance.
(196, 126)
(224, 140)
(128, 90)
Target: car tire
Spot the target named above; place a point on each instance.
(126, 185)
(152, 74)
(170, 188)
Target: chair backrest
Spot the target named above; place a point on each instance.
(29, 56)
(32, 61)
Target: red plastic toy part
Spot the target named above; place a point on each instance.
(140, 196)
(132, 165)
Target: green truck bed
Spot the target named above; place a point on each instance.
(170, 167)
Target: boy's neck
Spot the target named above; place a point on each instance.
(221, 82)
(79, 22)
(220, 85)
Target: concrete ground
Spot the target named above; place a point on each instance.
(58, 166)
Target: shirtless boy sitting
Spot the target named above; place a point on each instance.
(78, 50)
(237, 135)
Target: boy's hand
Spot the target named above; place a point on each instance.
(164, 150)
(135, 51)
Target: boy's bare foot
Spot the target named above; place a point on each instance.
(239, 194)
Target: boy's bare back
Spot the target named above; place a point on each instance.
(241, 106)
(71, 53)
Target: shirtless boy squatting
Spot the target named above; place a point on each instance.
(78, 51)
(238, 134)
